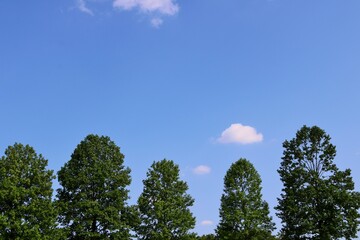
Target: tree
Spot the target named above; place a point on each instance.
(26, 208)
(318, 200)
(164, 204)
(93, 196)
(243, 213)
(206, 237)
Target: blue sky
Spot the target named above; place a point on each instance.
(166, 78)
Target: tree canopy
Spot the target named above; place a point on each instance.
(164, 204)
(243, 213)
(318, 200)
(206, 237)
(26, 208)
(92, 200)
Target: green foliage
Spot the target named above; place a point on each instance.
(26, 209)
(243, 213)
(206, 237)
(164, 204)
(318, 200)
(92, 200)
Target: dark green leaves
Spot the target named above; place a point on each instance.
(26, 209)
(93, 196)
(318, 201)
(243, 213)
(164, 204)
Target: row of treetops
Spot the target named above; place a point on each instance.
(318, 200)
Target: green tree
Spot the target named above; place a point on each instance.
(164, 204)
(92, 200)
(26, 208)
(318, 200)
(206, 237)
(243, 213)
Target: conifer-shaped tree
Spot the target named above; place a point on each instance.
(164, 204)
(243, 213)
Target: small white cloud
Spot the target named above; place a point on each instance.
(206, 223)
(238, 133)
(202, 169)
(156, 22)
(165, 7)
(81, 5)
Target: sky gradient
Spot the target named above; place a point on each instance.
(200, 82)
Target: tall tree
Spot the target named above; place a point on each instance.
(26, 208)
(164, 204)
(93, 196)
(318, 200)
(243, 213)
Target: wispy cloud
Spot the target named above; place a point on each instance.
(206, 223)
(165, 7)
(201, 170)
(156, 22)
(157, 8)
(81, 5)
(238, 133)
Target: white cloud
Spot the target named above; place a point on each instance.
(81, 5)
(156, 22)
(238, 133)
(202, 169)
(154, 9)
(157, 8)
(165, 7)
(206, 223)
